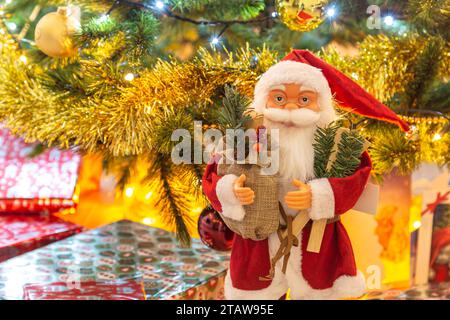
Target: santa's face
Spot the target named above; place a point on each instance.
(292, 96)
(292, 105)
(294, 111)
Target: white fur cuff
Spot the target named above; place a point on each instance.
(322, 206)
(231, 207)
(274, 291)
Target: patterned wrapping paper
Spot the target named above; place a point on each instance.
(431, 291)
(45, 182)
(23, 233)
(120, 251)
(113, 290)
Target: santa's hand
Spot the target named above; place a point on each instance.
(245, 195)
(300, 199)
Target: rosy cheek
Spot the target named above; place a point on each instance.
(313, 106)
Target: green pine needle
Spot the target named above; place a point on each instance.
(323, 145)
(348, 155)
(231, 114)
(348, 152)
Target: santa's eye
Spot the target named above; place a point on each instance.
(304, 100)
(279, 99)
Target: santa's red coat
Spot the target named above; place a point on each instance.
(250, 259)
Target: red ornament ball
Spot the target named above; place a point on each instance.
(213, 231)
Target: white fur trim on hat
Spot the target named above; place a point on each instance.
(231, 207)
(322, 201)
(293, 72)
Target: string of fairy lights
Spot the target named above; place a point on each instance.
(161, 8)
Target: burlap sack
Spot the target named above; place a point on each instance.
(262, 217)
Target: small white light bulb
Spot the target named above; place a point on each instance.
(103, 18)
(388, 20)
(437, 136)
(129, 77)
(331, 12)
(129, 192)
(215, 41)
(12, 26)
(148, 221)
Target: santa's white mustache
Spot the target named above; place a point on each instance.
(298, 117)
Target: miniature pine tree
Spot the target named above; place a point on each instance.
(348, 152)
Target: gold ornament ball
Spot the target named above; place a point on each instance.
(54, 31)
(301, 15)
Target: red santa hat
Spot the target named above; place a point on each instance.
(301, 66)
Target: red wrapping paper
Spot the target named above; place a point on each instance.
(23, 233)
(113, 290)
(33, 184)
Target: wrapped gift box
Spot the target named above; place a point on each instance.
(422, 292)
(33, 184)
(431, 237)
(23, 233)
(108, 290)
(394, 246)
(123, 250)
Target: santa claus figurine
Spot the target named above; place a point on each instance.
(295, 96)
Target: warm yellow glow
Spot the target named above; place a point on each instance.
(148, 195)
(129, 192)
(417, 224)
(197, 210)
(129, 77)
(148, 221)
(437, 136)
(76, 193)
(23, 59)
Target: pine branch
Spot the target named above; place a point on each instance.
(424, 72)
(430, 16)
(123, 169)
(214, 9)
(169, 182)
(391, 149)
(348, 155)
(231, 114)
(323, 145)
(164, 124)
(348, 151)
(438, 98)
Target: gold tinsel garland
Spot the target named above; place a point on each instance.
(122, 124)
(383, 65)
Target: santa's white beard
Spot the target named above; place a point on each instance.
(296, 136)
